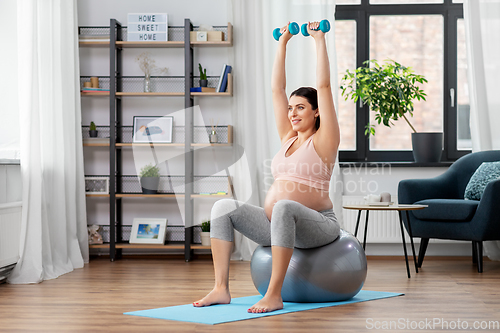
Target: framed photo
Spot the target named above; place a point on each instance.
(148, 231)
(153, 129)
(96, 185)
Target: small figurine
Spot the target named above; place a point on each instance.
(94, 235)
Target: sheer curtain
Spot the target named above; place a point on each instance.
(482, 25)
(253, 117)
(53, 232)
(9, 126)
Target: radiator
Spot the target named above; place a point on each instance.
(383, 226)
(10, 228)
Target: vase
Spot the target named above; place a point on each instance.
(213, 137)
(427, 147)
(203, 83)
(205, 238)
(147, 83)
(93, 133)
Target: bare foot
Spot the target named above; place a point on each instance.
(216, 296)
(267, 304)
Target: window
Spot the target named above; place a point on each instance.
(414, 41)
(427, 35)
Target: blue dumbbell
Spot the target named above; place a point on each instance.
(292, 27)
(324, 26)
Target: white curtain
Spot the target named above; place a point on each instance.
(253, 117)
(53, 232)
(9, 126)
(482, 26)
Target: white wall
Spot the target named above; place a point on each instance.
(10, 183)
(382, 178)
(360, 181)
(9, 124)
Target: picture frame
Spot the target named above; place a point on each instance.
(153, 129)
(148, 231)
(96, 185)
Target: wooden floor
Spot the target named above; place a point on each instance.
(93, 299)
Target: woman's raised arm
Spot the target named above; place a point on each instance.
(278, 85)
(327, 138)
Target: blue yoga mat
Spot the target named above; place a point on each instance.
(237, 309)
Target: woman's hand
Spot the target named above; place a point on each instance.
(285, 34)
(316, 33)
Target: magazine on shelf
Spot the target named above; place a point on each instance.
(202, 89)
(223, 85)
(93, 92)
(94, 89)
(89, 90)
(96, 140)
(221, 78)
(93, 38)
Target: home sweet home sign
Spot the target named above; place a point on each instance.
(147, 27)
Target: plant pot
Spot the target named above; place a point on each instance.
(150, 185)
(427, 147)
(203, 83)
(205, 238)
(93, 133)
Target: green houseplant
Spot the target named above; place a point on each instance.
(203, 76)
(389, 90)
(92, 130)
(205, 233)
(150, 178)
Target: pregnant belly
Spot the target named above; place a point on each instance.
(287, 190)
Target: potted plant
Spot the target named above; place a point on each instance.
(93, 130)
(203, 76)
(389, 90)
(150, 178)
(205, 233)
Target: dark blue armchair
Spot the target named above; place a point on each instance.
(449, 216)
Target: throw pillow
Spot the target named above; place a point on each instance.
(487, 172)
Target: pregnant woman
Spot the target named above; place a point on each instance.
(298, 210)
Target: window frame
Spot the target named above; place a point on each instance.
(361, 13)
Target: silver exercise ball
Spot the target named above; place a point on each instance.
(330, 273)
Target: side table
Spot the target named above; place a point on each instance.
(399, 209)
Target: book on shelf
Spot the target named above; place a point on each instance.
(95, 90)
(221, 78)
(202, 89)
(223, 85)
(213, 193)
(96, 140)
(93, 38)
(91, 92)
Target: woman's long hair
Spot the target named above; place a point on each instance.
(311, 95)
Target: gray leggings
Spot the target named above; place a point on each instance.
(292, 224)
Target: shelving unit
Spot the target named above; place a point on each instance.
(122, 186)
(169, 44)
(125, 141)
